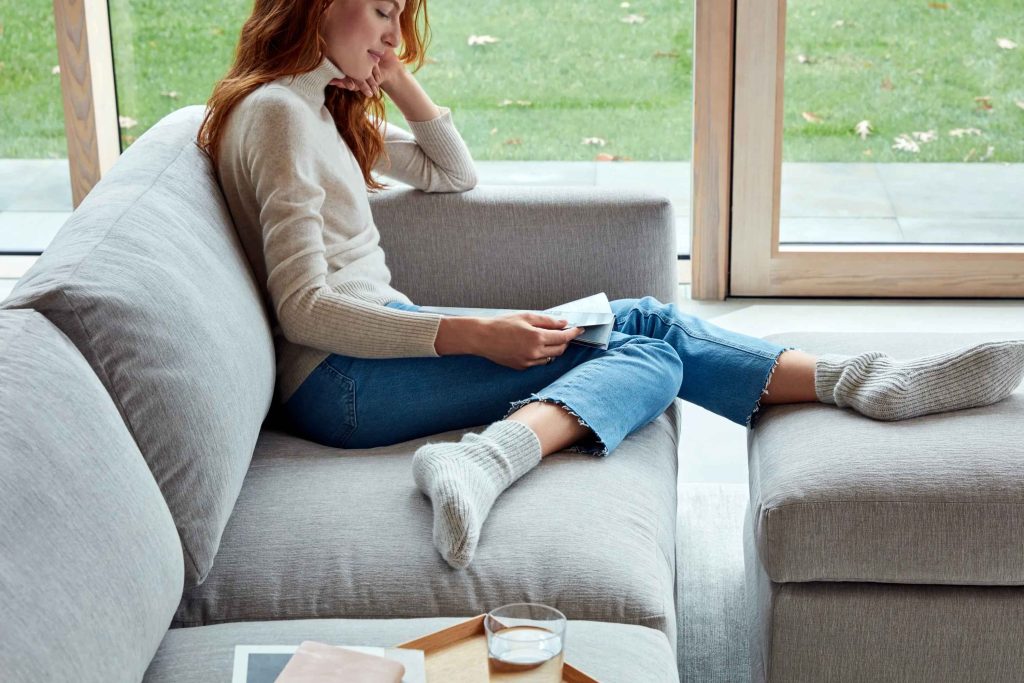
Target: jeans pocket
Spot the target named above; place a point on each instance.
(323, 408)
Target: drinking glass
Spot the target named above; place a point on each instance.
(526, 637)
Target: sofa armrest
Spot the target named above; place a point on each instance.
(527, 247)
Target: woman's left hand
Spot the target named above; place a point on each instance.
(383, 74)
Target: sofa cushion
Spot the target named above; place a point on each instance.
(90, 564)
(149, 281)
(611, 653)
(938, 499)
(327, 533)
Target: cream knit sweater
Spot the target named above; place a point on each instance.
(300, 206)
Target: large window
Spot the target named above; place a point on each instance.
(572, 93)
(878, 149)
(35, 189)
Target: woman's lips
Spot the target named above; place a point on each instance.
(376, 57)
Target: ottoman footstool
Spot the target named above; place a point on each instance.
(886, 550)
(609, 652)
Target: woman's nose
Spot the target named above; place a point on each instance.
(391, 38)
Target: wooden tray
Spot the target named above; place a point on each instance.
(458, 654)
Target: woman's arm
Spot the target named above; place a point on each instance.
(410, 97)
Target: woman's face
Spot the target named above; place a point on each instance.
(356, 29)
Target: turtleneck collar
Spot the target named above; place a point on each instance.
(312, 83)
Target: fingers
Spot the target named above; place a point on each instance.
(546, 321)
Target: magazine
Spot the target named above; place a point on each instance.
(264, 663)
(593, 313)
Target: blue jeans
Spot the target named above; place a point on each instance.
(655, 354)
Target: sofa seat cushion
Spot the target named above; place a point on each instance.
(150, 282)
(90, 564)
(937, 499)
(611, 653)
(320, 532)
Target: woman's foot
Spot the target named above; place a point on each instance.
(875, 385)
(464, 479)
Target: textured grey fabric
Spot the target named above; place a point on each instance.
(938, 499)
(855, 632)
(527, 247)
(148, 279)
(611, 653)
(90, 564)
(710, 589)
(326, 533)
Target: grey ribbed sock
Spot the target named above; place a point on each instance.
(875, 385)
(464, 479)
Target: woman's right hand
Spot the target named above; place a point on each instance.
(515, 340)
(524, 340)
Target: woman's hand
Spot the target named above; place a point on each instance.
(516, 340)
(383, 75)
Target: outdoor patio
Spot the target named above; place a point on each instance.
(821, 203)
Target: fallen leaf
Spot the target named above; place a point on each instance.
(838, 24)
(904, 143)
(939, 5)
(887, 84)
(811, 117)
(961, 132)
(514, 141)
(633, 19)
(988, 154)
(482, 40)
(984, 103)
(803, 59)
(493, 131)
(55, 70)
(594, 141)
(925, 136)
(970, 154)
(518, 103)
(611, 157)
(126, 122)
(1019, 103)
(863, 129)
(666, 53)
(173, 94)
(1006, 43)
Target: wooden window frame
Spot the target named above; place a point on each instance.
(760, 267)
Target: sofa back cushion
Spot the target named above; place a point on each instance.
(149, 281)
(91, 568)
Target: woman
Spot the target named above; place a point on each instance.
(294, 131)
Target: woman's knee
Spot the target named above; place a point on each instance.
(664, 361)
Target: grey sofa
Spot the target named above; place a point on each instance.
(886, 551)
(148, 484)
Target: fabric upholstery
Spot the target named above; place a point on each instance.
(527, 247)
(854, 632)
(148, 279)
(90, 563)
(937, 499)
(327, 533)
(611, 653)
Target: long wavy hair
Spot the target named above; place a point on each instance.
(282, 38)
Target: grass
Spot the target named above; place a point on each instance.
(584, 73)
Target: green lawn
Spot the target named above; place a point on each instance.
(574, 70)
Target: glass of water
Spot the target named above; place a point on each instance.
(526, 637)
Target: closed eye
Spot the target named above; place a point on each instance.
(382, 14)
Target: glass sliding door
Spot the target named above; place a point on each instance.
(878, 149)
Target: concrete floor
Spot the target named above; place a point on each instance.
(832, 203)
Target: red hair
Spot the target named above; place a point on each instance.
(282, 38)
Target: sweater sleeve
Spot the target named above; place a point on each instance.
(433, 158)
(283, 170)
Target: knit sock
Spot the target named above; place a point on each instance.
(875, 385)
(464, 479)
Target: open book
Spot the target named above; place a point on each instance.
(593, 313)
